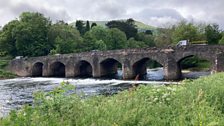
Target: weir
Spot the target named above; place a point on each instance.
(131, 61)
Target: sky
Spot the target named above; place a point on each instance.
(158, 13)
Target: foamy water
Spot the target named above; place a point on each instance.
(19, 91)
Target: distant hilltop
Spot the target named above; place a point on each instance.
(140, 26)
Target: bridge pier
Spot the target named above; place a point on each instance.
(127, 70)
(95, 67)
(45, 71)
(96, 71)
(70, 70)
(172, 70)
(218, 65)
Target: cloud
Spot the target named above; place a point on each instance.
(15, 8)
(158, 17)
(156, 12)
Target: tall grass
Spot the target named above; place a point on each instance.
(199, 102)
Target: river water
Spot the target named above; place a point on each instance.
(16, 92)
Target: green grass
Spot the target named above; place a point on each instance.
(4, 74)
(3, 63)
(199, 102)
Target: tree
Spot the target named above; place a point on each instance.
(185, 31)
(80, 26)
(148, 32)
(100, 33)
(127, 27)
(132, 43)
(64, 46)
(64, 37)
(221, 41)
(89, 42)
(31, 34)
(164, 37)
(213, 34)
(100, 45)
(87, 26)
(93, 25)
(117, 39)
(131, 22)
(7, 38)
(148, 39)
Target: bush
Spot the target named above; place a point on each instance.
(6, 75)
(198, 102)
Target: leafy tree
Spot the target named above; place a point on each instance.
(93, 25)
(87, 26)
(80, 26)
(148, 32)
(100, 45)
(213, 34)
(64, 46)
(221, 41)
(164, 37)
(7, 38)
(131, 22)
(127, 27)
(132, 43)
(148, 39)
(31, 34)
(185, 31)
(64, 37)
(100, 33)
(117, 39)
(89, 42)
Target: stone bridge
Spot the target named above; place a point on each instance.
(103, 63)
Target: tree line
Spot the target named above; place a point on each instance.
(32, 34)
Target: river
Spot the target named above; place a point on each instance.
(16, 92)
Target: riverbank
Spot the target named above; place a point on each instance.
(197, 102)
(4, 74)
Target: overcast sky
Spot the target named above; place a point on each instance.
(152, 12)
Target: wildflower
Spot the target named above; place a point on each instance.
(165, 95)
(155, 99)
(49, 98)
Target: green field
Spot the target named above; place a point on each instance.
(192, 103)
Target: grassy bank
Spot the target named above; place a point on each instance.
(199, 102)
(4, 74)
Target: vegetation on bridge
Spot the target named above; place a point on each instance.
(198, 102)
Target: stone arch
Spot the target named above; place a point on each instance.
(37, 69)
(140, 67)
(179, 60)
(84, 68)
(187, 55)
(57, 69)
(109, 67)
(159, 58)
(200, 57)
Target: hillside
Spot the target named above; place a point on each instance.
(141, 26)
